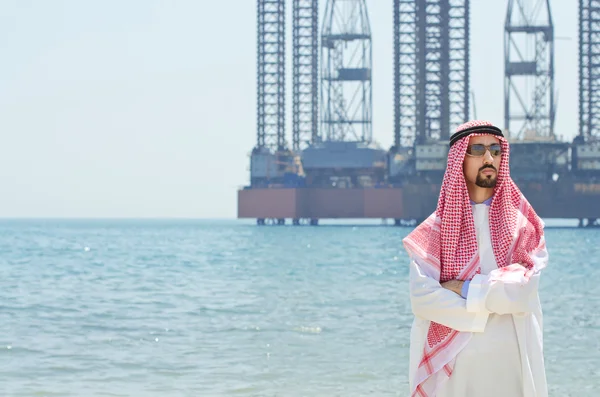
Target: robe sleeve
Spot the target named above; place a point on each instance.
(430, 301)
(508, 290)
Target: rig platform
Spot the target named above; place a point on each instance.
(405, 205)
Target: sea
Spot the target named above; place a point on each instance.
(228, 308)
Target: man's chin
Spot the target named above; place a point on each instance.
(486, 182)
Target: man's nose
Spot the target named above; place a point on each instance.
(487, 157)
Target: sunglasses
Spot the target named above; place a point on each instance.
(478, 150)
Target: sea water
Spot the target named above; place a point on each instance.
(226, 308)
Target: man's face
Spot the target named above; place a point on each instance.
(482, 170)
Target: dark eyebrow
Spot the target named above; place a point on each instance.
(485, 143)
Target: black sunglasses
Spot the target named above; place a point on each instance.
(479, 150)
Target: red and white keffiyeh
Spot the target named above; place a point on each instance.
(446, 242)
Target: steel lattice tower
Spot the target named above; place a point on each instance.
(458, 64)
(431, 43)
(405, 72)
(346, 67)
(529, 69)
(305, 16)
(271, 75)
(589, 69)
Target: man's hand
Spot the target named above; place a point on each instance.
(453, 285)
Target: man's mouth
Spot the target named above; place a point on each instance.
(488, 171)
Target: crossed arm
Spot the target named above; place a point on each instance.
(503, 291)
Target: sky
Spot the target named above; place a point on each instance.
(147, 108)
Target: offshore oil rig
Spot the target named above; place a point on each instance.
(335, 170)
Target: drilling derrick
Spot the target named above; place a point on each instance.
(586, 148)
(458, 64)
(529, 106)
(271, 75)
(442, 67)
(405, 72)
(346, 68)
(529, 70)
(343, 155)
(270, 157)
(305, 16)
(431, 81)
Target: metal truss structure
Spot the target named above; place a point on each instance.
(305, 97)
(529, 107)
(431, 74)
(589, 69)
(271, 75)
(346, 91)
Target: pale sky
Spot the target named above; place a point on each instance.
(147, 108)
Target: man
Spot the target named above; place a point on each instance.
(474, 276)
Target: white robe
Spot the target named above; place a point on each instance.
(504, 356)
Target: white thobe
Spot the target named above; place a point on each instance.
(504, 356)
